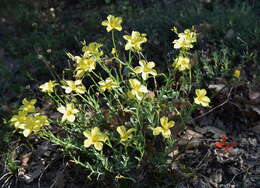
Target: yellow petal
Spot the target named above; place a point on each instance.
(104, 23)
(121, 130)
(68, 89)
(95, 131)
(138, 69)
(87, 143)
(196, 100)
(102, 137)
(144, 76)
(166, 133)
(170, 124)
(71, 118)
(78, 82)
(129, 131)
(201, 92)
(151, 64)
(157, 130)
(163, 121)
(98, 145)
(26, 132)
(143, 89)
(62, 109)
(87, 134)
(142, 63)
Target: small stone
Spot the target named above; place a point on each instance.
(217, 176)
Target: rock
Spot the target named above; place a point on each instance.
(217, 176)
(190, 139)
(189, 134)
(217, 87)
(252, 141)
(254, 95)
(209, 129)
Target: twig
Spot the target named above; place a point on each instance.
(232, 180)
(213, 109)
(206, 155)
(39, 180)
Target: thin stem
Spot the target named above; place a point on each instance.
(129, 58)
(190, 77)
(114, 44)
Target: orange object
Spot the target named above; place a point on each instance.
(224, 145)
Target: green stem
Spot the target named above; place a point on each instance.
(82, 97)
(129, 58)
(190, 77)
(114, 44)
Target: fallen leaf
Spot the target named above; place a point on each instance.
(25, 159)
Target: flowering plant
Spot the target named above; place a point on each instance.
(111, 113)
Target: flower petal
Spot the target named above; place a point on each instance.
(98, 146)
(138, 69)
(166, 133)
(157, 130)
(121, 130)
(87, 143)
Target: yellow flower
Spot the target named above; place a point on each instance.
(75, 86)
(130, 94)
(125, 134)
(108, 84)
(68, 112)
(145, 68)
(134, 41)
(165, 127)
(190, 36)
(34, 123)
(92, 49)
(19, 120)
(84, 65)
(138, 90)
(48, 86)
(41, 119)
(182, 63)
(29, 126)
(95, 137)
(112, 22)
(201, 97)
(28, 105)
(237, 73)
(185, 39)
(113, 51)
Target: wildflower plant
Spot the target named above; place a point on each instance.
(110, 116)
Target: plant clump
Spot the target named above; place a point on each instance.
(111, 113)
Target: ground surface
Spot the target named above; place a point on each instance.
(26, 34)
